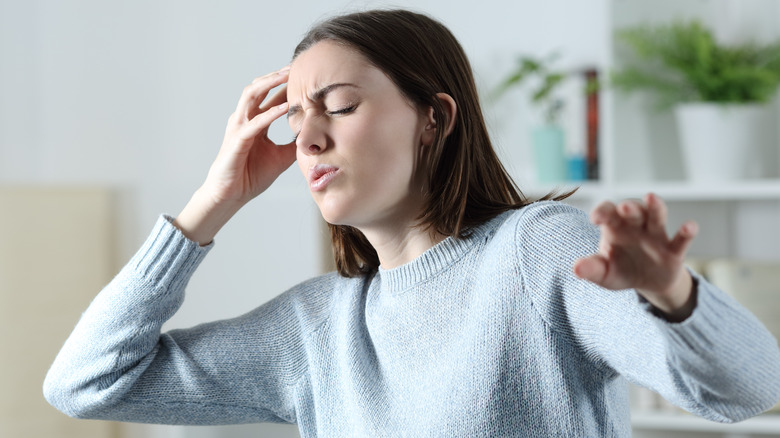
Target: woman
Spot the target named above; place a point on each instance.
(455, 311)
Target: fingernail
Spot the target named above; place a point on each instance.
(283, 107)
(284, 69)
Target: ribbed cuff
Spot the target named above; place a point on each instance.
(167, 258)
(717, 318)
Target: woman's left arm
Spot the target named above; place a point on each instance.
(707, 334)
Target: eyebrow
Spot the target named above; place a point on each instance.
(319, 95)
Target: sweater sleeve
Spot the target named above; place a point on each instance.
(117, 365)
(721, 363)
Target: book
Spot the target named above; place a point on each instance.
(580, 121)
(592, 123)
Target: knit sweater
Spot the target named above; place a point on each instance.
(485, 336)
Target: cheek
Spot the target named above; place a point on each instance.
(301, 160)
(398, 144)
(389, 164)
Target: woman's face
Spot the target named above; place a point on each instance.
(358, 138)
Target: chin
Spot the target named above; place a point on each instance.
(334, 212)
(332, 217)
(340, 219)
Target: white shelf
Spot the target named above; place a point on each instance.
(719, 191)
(585, 190)
(673, 191)
(767, 424)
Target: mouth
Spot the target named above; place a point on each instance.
(321, 175)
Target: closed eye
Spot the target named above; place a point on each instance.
(338, 112)
(342, 111)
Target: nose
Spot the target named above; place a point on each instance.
(311, 139)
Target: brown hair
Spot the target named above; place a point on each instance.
(466, 182)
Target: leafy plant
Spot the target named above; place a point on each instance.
(545, 81)
(529, 67)
(682, 62)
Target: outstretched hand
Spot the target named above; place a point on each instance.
(635, 252)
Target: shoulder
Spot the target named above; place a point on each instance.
(538, 242)
(552, 234)
(538, 229)
(311, 302)
(545, 223)
(543, 215)
(547, 238)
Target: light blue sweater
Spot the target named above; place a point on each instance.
(488, 336)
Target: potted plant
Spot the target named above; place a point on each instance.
(548, 139)
(718, 92)
(548, 89)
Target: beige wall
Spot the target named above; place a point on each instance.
(55, 252)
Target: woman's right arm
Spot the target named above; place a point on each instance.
(116, 364)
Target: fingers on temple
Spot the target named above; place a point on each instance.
(256, 92)
(278, 98)
(263, 120)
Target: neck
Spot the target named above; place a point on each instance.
(398, 245)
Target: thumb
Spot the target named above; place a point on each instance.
(593, 269)
(289, 152)
(286, 155)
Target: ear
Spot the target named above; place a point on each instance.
(450, 110)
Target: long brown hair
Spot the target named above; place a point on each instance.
(466, 182)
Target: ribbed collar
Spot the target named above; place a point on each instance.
(437, 258)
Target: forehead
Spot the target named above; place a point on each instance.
(325, 63)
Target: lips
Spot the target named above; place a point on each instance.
(321, 175)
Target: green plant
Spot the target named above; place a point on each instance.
(682, 62)
(547, 81)
(544, 82)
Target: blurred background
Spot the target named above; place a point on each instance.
(112, 112)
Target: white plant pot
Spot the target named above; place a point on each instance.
(723, 142)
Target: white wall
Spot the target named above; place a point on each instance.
(134, 95)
